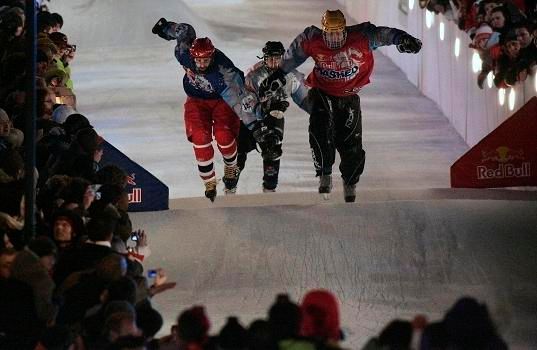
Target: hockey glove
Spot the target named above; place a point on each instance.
(159, 29)
(271, 84)
(271, 148)
(276, 108)
(409, 44)
(261, 132)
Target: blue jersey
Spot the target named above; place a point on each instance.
(221, 79)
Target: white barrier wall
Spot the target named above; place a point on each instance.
(438, 73)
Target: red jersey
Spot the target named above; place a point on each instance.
(343, 71)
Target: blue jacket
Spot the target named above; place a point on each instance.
(221, 80)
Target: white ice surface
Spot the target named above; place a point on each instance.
(404, 248)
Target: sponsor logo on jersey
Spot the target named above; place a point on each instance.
(503, 162)
(347, 74)
(199, 81)
(342, 65)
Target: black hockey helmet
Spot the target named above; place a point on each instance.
(273, 48)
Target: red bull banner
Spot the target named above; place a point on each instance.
(145, 191)
(507, 157)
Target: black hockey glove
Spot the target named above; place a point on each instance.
(276, 108)
(159, 29)
(408, 44)
(271, 84)
(261, 132)
(271, 149)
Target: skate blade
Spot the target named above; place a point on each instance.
(230, 192)
(325, 196)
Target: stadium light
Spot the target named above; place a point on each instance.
(490, 79)
(457, 47)
(512, 99)
(501, 96)
(476, 62)
(441, 30)
(429, 18)
(411, 4)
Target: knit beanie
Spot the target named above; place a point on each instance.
(193, 325)
(320, 316)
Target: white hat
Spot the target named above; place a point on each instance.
(483, 30)
(3, 116)
(62, 112)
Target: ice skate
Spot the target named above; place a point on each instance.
(231, 178)
(210, 189)
(268, 190)
(325, 186)
(349, 192)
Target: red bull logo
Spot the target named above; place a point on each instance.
(503, 156)
(135, 196)
(131, 178)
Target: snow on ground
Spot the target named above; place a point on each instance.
(409, 245)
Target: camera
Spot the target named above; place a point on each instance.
(134, 236)
(152, 273)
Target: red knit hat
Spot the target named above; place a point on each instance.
(320, 316)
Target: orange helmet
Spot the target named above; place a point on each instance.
(333, 26)
(333, 21)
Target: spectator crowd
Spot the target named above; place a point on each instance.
(80, 283)
(503, 32)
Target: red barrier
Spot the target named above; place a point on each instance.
(507, 157)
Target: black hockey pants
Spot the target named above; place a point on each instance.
(271, 167)
(336, 124)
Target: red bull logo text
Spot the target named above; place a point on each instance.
(503, 156)
(135, 196)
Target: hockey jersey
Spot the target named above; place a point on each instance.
(343, 71)
(221, 80)
(294, 86)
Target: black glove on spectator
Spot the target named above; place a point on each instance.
(408, 44)
(159, 28)
(272, 83)
(261, 132)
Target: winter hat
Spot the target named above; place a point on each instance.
(4, 118)
(233, 335)
(484, 31)
(468, 323)
(320, 316)
(62, 112)
(284, 318)
(193, 325)
(88, 139)
(148, 319)
(75, 122)
(59, 39)
(396, 335)
(43, 246)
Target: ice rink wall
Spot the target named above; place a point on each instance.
(446, 79)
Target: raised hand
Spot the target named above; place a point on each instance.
(160, 29)
(272, 84)
(409, 44)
